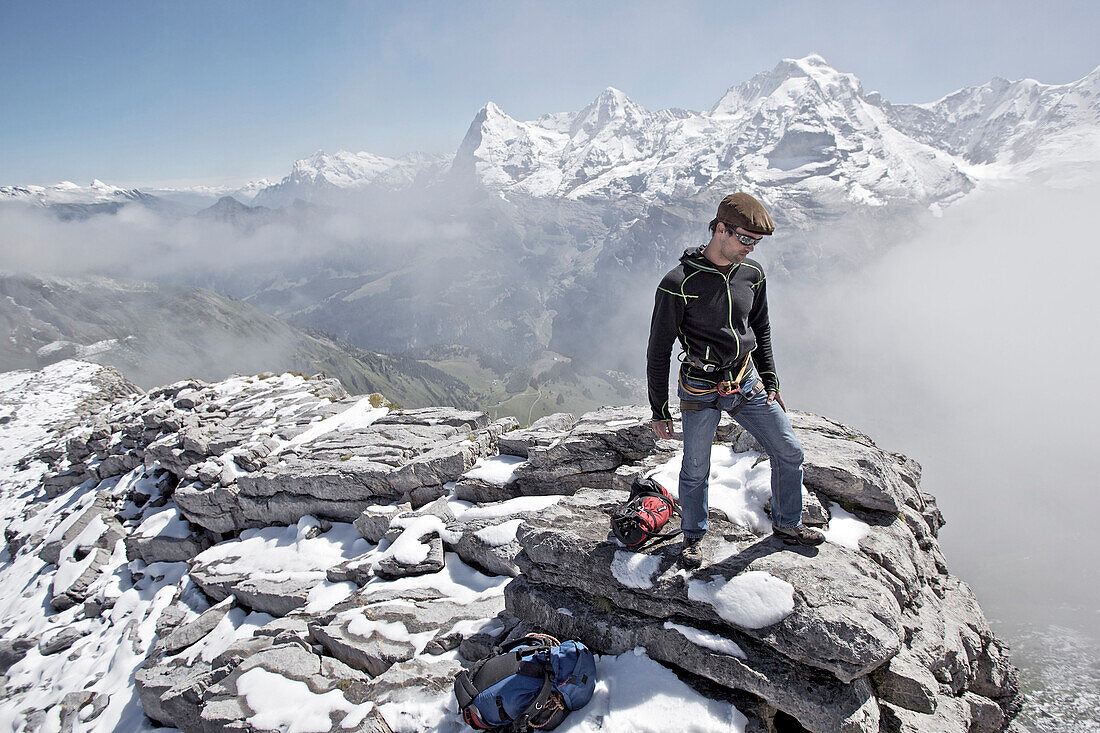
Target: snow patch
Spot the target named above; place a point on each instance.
(498, 470)
(165, 522)
(290, 706)
(845, 529)
(327, 594)
(707, 640)
(635, 569)
(636, 694)
(283, 553)
(519, 505)
(752, 600)
(407, 549)
(499, 534)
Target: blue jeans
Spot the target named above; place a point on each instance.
(771, 428)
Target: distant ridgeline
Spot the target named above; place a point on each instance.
(156, 333)
(266, 551)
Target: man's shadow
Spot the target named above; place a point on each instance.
(768, 545)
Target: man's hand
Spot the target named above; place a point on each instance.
(664, 429)
(774, 396)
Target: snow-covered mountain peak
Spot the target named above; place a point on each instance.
(343, 171)
(612, 102)
(611, 93)
(488, 117)
(341, 168)
(802, 123)
(791, 82)
(67, 192)
(1012, 122)
(612, 107)
(812, 66)
(315, 160)
(492, 111)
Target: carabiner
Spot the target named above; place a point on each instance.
(727, 388)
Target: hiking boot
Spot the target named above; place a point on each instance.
(800, 535)
(691, 552)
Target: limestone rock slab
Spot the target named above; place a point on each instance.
(600, 442)
(905, 682)
(540, 433)
(189, 633)
(820, 702)
(342, 474)
(952, 715)
(375, 637)
(374, 521)
(393, 567)
(843, 619)
(846, 466)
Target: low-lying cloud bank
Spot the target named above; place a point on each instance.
(142, 244)
(973, 347)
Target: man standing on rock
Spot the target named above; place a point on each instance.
(715, 302)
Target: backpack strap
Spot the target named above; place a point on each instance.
(541, 700)
(654, 537)
(465, 691)
(493, 670)
(508, 660)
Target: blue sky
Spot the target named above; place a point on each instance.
(146, 92)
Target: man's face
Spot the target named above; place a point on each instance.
(734, 246)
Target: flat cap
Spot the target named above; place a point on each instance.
(742, 210)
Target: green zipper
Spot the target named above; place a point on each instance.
(729, 299)
(729, 302)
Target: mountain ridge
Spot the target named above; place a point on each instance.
(154, 332)
(614, 147)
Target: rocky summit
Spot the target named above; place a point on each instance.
(267, 553)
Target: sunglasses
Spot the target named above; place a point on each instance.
(744, 239)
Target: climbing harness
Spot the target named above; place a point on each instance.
(724, 388)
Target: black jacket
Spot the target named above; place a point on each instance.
(719, 319)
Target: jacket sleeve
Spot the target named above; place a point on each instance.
(761, 327)
(668, 312)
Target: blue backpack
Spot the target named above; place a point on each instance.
(530, 683)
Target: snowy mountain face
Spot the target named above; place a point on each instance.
(1014, 123)
(68, 201)
(68, 192)
(801, 129)
(803, 137)
(320, 176)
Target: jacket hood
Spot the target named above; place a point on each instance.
(694, 257)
